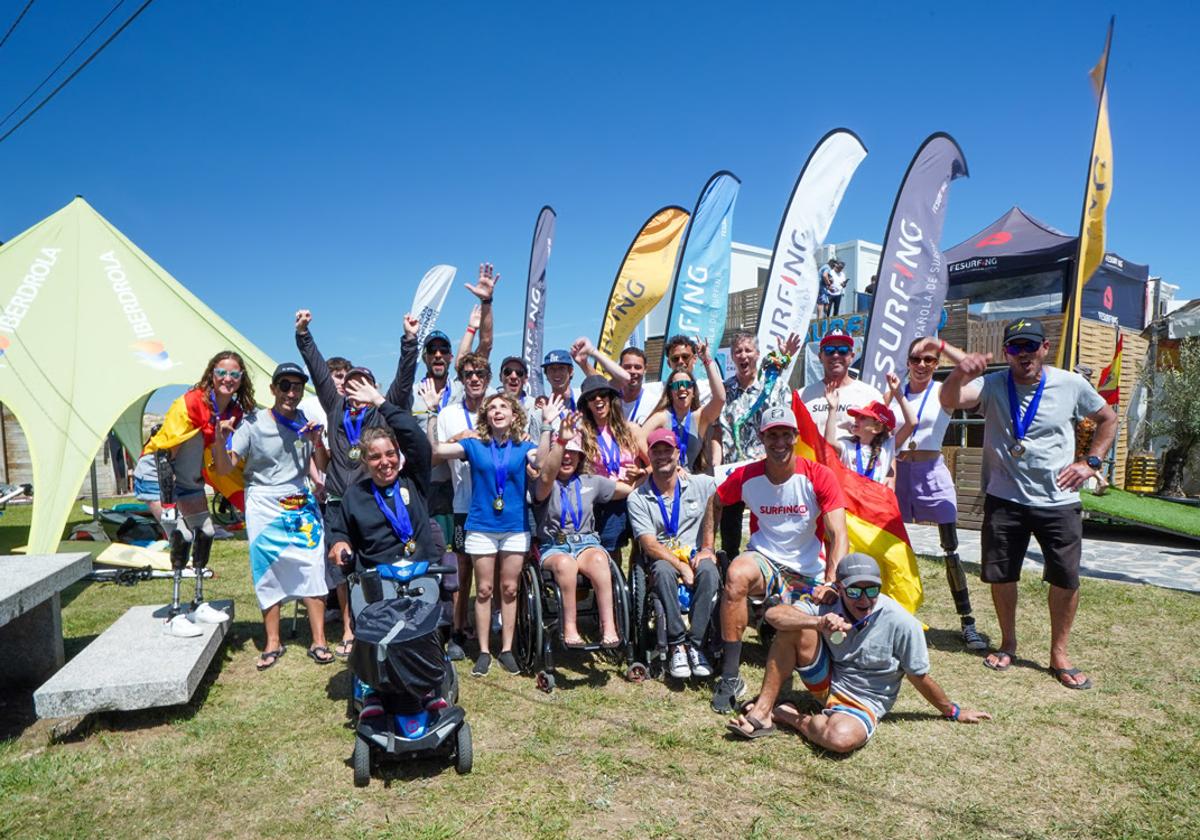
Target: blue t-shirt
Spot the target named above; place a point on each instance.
(482, 515)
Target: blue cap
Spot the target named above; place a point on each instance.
(557, 357)
(437, 335)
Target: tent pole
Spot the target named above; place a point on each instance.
(95, 494)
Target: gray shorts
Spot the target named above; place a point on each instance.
(188, 463)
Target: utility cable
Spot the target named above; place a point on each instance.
(4, 40)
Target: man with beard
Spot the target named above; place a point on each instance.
(837, 354)
(1032, 480)
(792, 502)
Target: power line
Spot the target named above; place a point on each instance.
(4, 40)
(77, 70)
(54, 72)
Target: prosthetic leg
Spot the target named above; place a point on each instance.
(179, 537)
(956, 577)
(202, 541)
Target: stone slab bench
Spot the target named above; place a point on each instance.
(133, 665)
(31, 638)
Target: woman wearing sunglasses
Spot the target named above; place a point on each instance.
(680, 411)
(615, 449)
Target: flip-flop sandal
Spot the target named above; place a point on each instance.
(574, 644)
(611, 644)
(315, 654)
(269, 658)
(343, 649)
(758, 728)
(996, 664)
(1059, 673)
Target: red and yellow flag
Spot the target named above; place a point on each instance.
(187, 417)
(872, 515)
(1110, 377)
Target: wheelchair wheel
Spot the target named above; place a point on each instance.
(362, 763)
(464, 752)
(528, 642)
(621, 607)
(639, 624)
(223, 511)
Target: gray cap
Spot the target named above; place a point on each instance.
(777, 416)
(858, 568)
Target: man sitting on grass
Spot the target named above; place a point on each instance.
(851, 654)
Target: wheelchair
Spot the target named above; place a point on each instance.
(650, 624)
(539, 632)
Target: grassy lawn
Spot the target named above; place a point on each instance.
(266, 755)
(1173, 516)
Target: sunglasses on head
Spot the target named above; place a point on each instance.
(286, 386)
(856, 592)
(472, 373)
(926, 360)
(235, 375)
(682, 385)
(837, 350)
(512, 372)
(1016, 348)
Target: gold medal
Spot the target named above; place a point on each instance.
(354, 453)
(912, 444)
(498, 504)
(1017, 449)
(837, 637)
(410, 548)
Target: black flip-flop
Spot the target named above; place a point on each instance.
(344, 649)
(579, 645)
(758, 730)
(997, 666)
(269, 658)
(314, 655)
(1059, 673)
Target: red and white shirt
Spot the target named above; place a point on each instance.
(785, 519)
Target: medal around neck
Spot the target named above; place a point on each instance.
(354, 453)
(498, 504)
(410, 548)
(837, 637)
(1017, 449)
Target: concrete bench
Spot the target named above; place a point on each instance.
(133, 665)
(31, 638)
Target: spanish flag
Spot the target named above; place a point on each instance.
(191, 415)
(1110, 377)
(872, 515)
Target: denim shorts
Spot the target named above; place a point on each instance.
(574, 546)
(146, 490)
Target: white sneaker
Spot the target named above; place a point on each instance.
(181, 627)
(699, 663)
(679, 667)
(206, 613)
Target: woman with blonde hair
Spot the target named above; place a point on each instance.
(497, 536)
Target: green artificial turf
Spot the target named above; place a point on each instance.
(1173, 516)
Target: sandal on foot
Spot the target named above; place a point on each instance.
(610, 642)
(320, 654)
(998, 660)
(758, 729)
(343, 648)
(269, 658)
(1060, 673)
(574, 644)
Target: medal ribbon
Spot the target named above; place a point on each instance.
(396, 514)
(670, 523)
(466, 412)
(680, 428)
(353, 430)
(921, 410)
(1021, 424)
(859, 464)
(633, 414)
(500, 464)
(217, 416)
(295, 425)
(610, 452)
(576, 513)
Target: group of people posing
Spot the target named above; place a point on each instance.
(449, 464)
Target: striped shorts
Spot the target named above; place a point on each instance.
(817, 678)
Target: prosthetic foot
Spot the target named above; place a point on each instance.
(203, 612)
(956, 578)
(178, 623)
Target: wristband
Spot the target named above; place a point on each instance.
(561, 442)
(485, 301)
(942, 349)
(955, 711)
(470, 330)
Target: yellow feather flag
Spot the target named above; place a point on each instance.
(1095, 204)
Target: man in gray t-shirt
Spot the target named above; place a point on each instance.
(1031, 479)
(672, 520)
(851, 652)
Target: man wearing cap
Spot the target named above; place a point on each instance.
(345, 419)
(793, 503)
(837, 354)
(748, 393)
(283, 523)
(851, 647)
(672, 520)
(1031, 479)
(558, 367)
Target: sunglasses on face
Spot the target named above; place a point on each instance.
(287, 386)
(682, 385)
(235, 375)
(681, 357)
(437, 351)
(838, 350)
(922, 360)
(856, 592)
(1016, 348)
(471, 373)
(602, 396)
(517, 372)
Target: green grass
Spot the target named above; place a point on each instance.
(265, 755)
(1172, 516)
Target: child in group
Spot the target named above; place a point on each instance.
(870, 449)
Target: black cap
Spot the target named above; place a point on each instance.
(595, 383)
(289, 369)
(437, 335)
(516, 359)
(365, 373)
(1024, 329)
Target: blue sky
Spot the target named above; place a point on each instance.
(274, 154)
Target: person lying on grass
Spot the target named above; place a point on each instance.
(851, 654)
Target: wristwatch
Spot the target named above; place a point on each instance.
(1093, 462)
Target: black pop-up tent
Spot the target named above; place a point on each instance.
(1019, 265)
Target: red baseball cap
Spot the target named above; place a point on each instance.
(876, 411)
(662, 436)
(839, 339)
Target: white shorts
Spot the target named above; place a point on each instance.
(480, 543)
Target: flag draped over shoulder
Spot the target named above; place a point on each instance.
(192, 415)
(872, 515)
(1110, 377)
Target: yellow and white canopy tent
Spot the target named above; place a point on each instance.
(90, 328)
